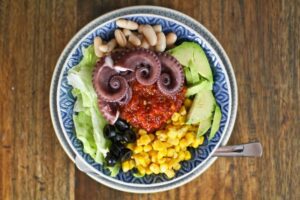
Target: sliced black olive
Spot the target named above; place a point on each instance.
(109, 131)
(122, 125)
(125, 154)
(129, 136)
(111, 159)
(116, 149)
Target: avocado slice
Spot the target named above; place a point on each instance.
(202, 107)
(194, 72)
(192, 55)
(204, 85)
(188, 76)
(216, 123)
(203, 127)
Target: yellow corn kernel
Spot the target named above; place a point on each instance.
(175, 155)
(143, 140)
(142, 132)
(162, 137)
(126, 166)
(131, 164)
(148, 171)
(138, 149)
(187, 155)
(176, 166)
(175, 117)
(171, 152)
(170, 173)
(187, 103)
(171, 163)
(181, 155)
(147, 148)
(162, 153)
(198, 141)
(182, 131)
(190, 137)
(152, 137)
(158, 145)
(163, 167)
(153, 156)
(155, 168)
(181, 120)
(177, 148)
(141, 169)
(172, 134)
(183, 143)
(182, 111)
(174, 141)
(161, 161)
(130, 146)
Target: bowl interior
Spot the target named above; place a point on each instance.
(223, 96)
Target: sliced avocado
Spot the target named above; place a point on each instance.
(188, 76)
(203, 127)
(183, 53)
(204, 85)
(192, 55)
(216, 123)
(202, 107)
(201, 63)
(194, 72)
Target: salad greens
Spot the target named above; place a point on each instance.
(88, 120)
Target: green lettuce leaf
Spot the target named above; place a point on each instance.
(88, 121)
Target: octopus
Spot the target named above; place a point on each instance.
(115, 77)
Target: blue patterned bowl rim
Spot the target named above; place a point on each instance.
(161, 12)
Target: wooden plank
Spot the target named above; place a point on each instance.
(33, 165)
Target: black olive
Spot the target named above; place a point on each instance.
(110, 159)
(109, 131)
(119, 138)
(122, 125)
(125, 154)
(116, 149)
(129, 136)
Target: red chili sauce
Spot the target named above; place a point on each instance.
(149, 108)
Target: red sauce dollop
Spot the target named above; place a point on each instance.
(149, 108)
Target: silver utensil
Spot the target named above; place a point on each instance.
(245, 150)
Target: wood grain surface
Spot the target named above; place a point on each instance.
(262, 40)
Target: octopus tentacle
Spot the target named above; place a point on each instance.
(171, 79)
(108, 85)
(144, 62)
(110, 110)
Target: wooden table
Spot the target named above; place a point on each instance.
(262, 39)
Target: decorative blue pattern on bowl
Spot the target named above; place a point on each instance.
(66, 100)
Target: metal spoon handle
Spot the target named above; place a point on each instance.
(246, 150)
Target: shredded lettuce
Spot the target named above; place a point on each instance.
(88, 121)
